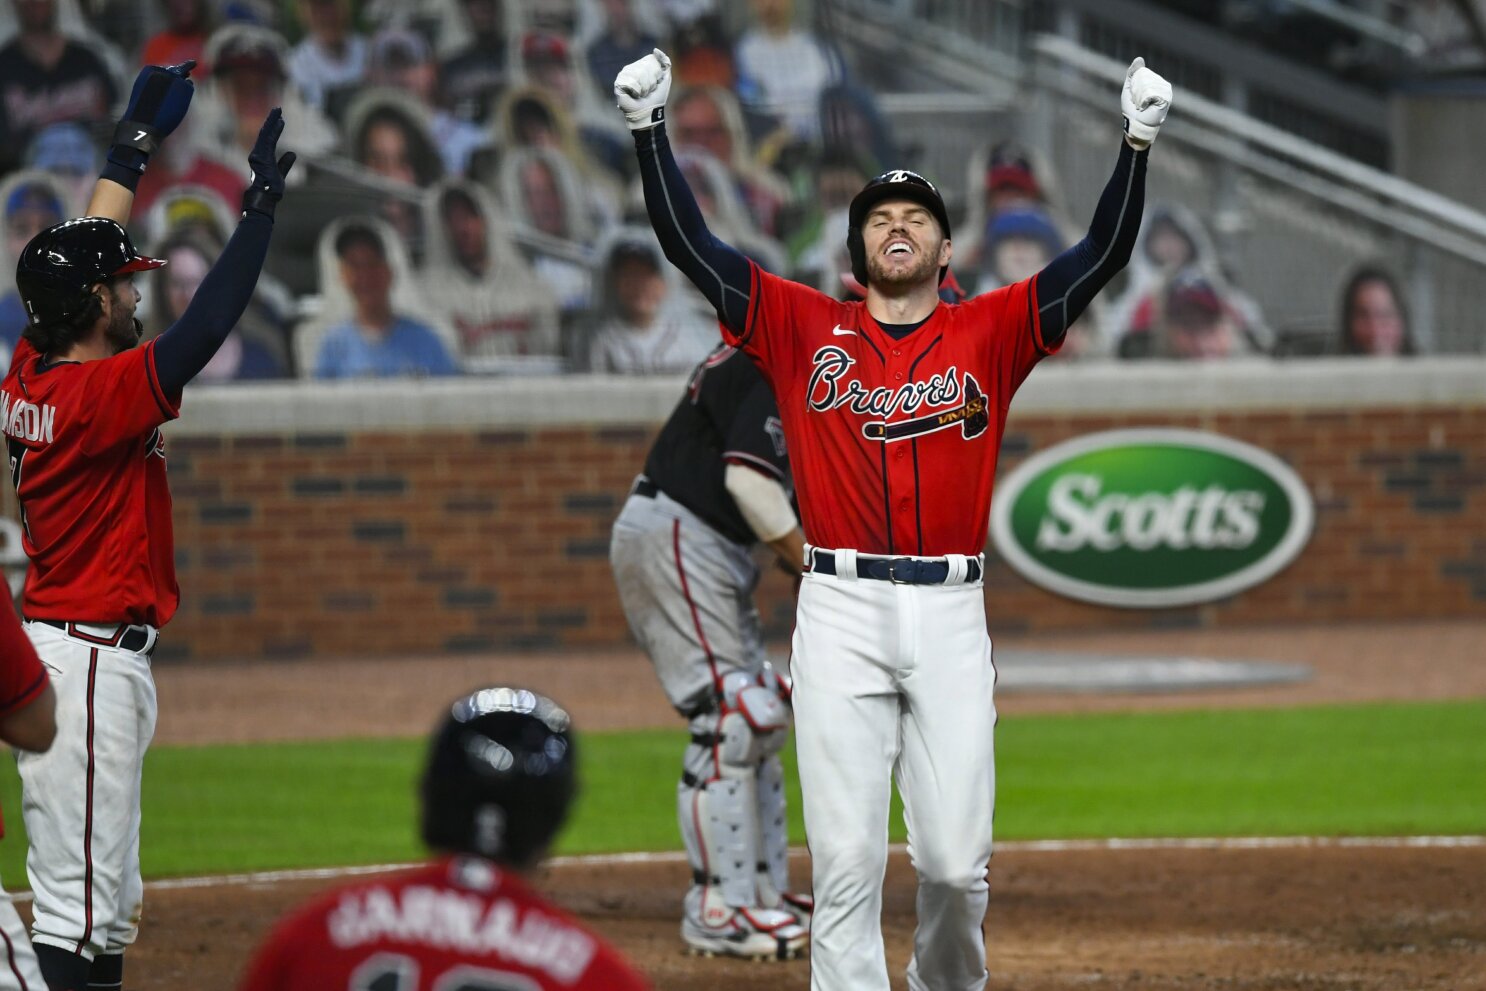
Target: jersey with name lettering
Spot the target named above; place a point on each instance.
(457, 924)
(893, 442)
(88, 463)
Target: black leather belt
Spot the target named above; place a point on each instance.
(645, 488)
(898, 570)
(135, 639)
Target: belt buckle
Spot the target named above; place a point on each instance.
(892, 570)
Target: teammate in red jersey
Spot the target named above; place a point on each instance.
(81, 409)
(27, 722)
(496, 789)
(893, 409)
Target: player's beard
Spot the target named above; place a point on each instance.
(899, 281)
(124, 331)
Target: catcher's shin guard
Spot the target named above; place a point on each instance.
(718, 808)
(773, 835)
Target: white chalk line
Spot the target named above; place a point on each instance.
(259, 878)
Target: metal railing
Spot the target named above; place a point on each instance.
(991, 37)
(1380, 25)
(1292, 217)
(1293, 209)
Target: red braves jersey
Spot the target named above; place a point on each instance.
(458, 924)
(22, 678)
(893, 442)
(88, 463)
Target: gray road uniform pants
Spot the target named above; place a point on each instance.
(687, 592)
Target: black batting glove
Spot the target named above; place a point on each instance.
(157, 105)
(269, 173)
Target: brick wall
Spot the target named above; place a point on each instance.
(365, 543)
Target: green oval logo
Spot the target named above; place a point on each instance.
(1151, 518)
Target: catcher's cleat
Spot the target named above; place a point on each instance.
(802, 907)
(750, 933)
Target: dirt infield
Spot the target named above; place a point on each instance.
(1318, 919)
(1331, 919)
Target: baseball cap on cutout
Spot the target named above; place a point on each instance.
(63, 147)
(247, 46)
(541, 45)
(1013, 175)
(1193, 290)
(33, 195)
(398, 48)
(631, 247)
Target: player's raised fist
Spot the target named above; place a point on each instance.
(641, 89)
(1144, 103)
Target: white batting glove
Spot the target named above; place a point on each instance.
(1144, 102)
(641, 89)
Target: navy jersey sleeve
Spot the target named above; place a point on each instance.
(1070, 281)
(719, 271)
(189, 343)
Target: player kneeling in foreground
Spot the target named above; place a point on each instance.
(496, 789)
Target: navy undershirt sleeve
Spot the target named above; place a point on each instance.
(1071, 280)
(189, 343)
(719, 270)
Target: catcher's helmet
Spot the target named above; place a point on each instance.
(900, 184)
(59, 266)
(500, 776)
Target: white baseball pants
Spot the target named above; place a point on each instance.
(80, 799)
(18, 969)
(895, 679)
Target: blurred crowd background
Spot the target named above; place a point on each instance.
(468, 202)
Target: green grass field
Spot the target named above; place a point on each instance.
(1335, 770)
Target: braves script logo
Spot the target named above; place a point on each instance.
(829, 389)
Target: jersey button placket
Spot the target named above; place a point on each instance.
(901, 481)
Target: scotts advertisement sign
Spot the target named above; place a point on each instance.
(1151, 518)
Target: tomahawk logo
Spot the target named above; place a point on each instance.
(829, 389)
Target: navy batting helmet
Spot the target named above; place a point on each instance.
(59, 267)
(900, 184)
(501, 774)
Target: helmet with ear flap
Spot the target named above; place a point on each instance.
(59, 267)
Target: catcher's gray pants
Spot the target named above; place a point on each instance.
(687, 592)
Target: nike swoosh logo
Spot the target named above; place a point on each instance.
(842, 333)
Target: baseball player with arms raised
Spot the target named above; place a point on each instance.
(81, 409)
(27, 722)
(893, 410)
(497, 786)
(715, 484)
